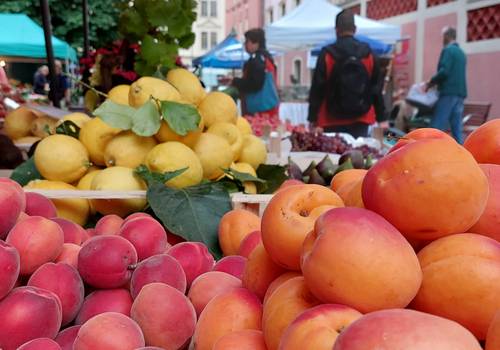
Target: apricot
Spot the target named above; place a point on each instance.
(194, 258)
(158, 268)
(278, 282)
(107, 261)
(232, 264)
(13, 203)
(286, 303)
(400, 329)
(345, 177)
(40, 344)
(420, 134)
(428, 189)
(493, 336)
(248, 339)
(235, 310)
(289, 216)
(465, 268)
(108, 225)
(38, 205)
(69, 254)
(208, 285)
(67, 337)
(101, 301)
(72, 232)
(290, 182)
(387, 272)
(249, 243)
(147, 236)
(9, 268)
(234, 226)
(38, 240)
(318, 328)
(165, 315)
(484, 143)
(351, 194)
(109, 331)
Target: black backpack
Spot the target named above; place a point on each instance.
(349, 91)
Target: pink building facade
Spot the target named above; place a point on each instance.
(242, 15)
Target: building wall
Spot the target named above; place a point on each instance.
(242, 15)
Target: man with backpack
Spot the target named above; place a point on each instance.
(345, 94)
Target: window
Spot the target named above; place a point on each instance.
(204, 8)
(297, 2)
(297, 71)
(213, 8)
(270, 16)
(213, 39)
(204, 40)
(283, 9)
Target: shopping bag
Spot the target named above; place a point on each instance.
(264, 99)
(418, 96)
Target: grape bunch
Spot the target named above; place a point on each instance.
(366, 150)
(318, 142)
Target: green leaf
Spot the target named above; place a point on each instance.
(242, 177)
(155, 51)
(274, 175)
(146, 119)
(193, 212)
(151, 177)
(68, 128)
(181, 118)
(26, 172)
(116, 115)
(231, 185)
(187, 40)
(132, 24)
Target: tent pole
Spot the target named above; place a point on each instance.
(47, 30)
(85, 9)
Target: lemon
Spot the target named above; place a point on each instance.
(61, 158)
(253, 152)
(128, 149)
(141, 91)
(218, 107)
(78, 118)
(85, 182)
(117, 178)
(91, 100)
(166, 134)
(17, 123)
(95, 136)
(119, 94)
(246, 168)
(214, 153)
(76, 210)
(187, 84)
(43, 126)
(244, 126)
(171, 156)
(231, 134)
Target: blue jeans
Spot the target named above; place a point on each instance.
(448, 112)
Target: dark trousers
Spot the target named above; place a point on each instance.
(356, 129)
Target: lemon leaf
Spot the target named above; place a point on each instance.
(242, 177)
(181, 118)
(146, 119)
(115, 115)
(274, 175)
(151, 176)
(26, 172)
(68, 128)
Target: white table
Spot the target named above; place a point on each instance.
(295, 112)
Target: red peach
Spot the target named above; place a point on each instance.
(101, 301)
(38, 205)
(174, 239)
(73, 233)
(108, 225)
(12, 195)
(9, 268)
(135, 216)
(249, 243)
(147, 236)
(67, 337)
(248, 339)
(40, 344)
(194, 258)
(231, 264)
(69, 254)
(22, 216)
(493, 336)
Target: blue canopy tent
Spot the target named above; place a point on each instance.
(378, 47)
(228, 54)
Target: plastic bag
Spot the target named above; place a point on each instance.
(418, 96)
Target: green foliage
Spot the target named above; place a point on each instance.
(181, 118)
(161, 27)
(26, 172)
(274, 176)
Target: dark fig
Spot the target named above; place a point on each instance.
(344, 166)
(316, 179)
(305, 179)
(356, 156)
(294, 171)
(326, 168)
(310, 168)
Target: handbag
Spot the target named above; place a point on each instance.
(264, 99)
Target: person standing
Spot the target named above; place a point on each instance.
(346, 91)
(451, 83)
(62, 91)
(40, 81)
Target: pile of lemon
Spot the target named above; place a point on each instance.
(104, 158)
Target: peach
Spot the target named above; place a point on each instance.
(107, 261)
(73, 233)
(13, 203)
(260, 271)
(109, 331)
(101, 301)
(28, 313)
(235, 310)
(489, 222)
(146, 234)
(64, 281)
(318, 328)
(69, 254)
(234, 226)
(428, 189)
(174, 239)
(22, 216)
(249, 243)
(464, 268)
(289, 216)
(135, 216)
(400, 329)
(290, 182)
(38, 205)
(208, 285)
(420, 134)
(347, 177)
(38, 240)
(248, 339)
(194, 258)
(278, 282)
(108, 225)
(493, 336)
(150, 348)
(40, 344)
(9, 268)
(67, 337)
(159, 268)
(484, 143)
(337, 250)
(165, 315)
(231, 264)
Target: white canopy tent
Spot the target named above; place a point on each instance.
(313, 22)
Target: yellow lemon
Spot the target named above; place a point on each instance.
(218, 107)
(61, 158)
(145, 87)
(17, 123)
(43, 126)
(246, 168)
(187, 84)
(244, 126)
(128, 149)
(119, 94)
(166, 134)
(231, 134)
(85, 182)
(117, 179)
(78, 118)
(95, 136)
(254, 151)
(214, 153)
(76, 210)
